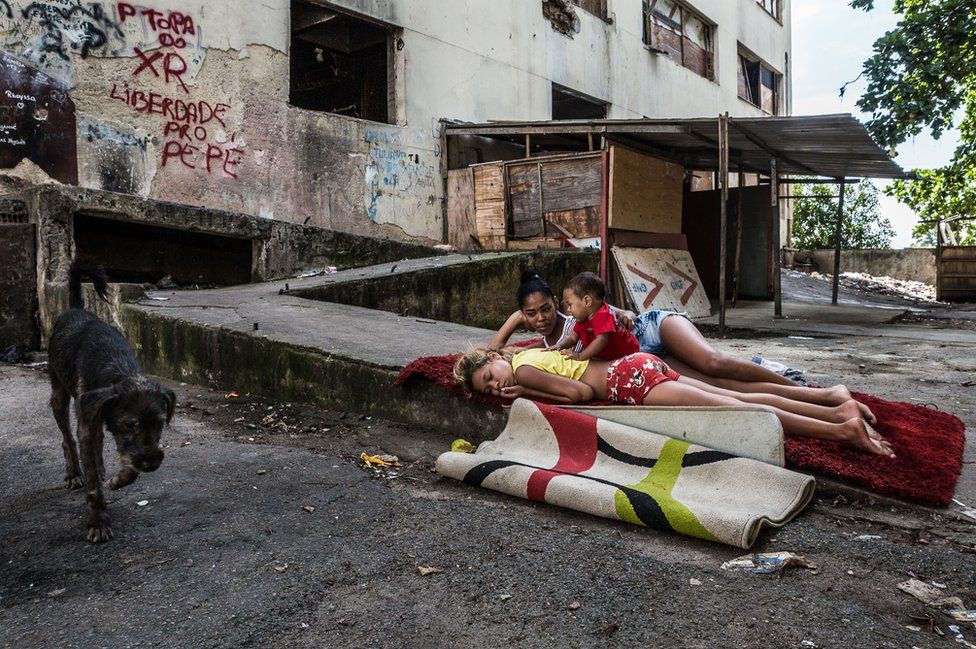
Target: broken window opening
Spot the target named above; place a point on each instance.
(340, 64)
(771, 7)
(597, 8)
(758, 83)
(674, 29)
(569, 104)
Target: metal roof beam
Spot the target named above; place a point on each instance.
(771, 151)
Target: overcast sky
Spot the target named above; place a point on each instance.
(830, 42)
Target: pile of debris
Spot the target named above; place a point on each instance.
(902, 288)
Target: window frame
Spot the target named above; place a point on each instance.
(680, 29)
(744, 54)
(776, 13)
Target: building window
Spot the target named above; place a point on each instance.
(672, 28)
(569, 104)
(340, 63)
(596, 7)
(758, 83)
(771, 7)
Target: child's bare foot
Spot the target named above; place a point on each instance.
(859, 434)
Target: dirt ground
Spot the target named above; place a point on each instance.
(262, 529)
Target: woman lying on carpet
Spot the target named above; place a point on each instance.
(674, 338)
(643, 378)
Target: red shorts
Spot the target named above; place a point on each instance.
(631, 378)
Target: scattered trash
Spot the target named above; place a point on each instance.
(37, 365)
(867, 537)
(463, 446)
(694, 582)
(959, 637)
(791, 373)
(167, 282)
(185, 442)
(930, 595)
(928, 623)
(328, 270)
(768, 562)
(962, 615)
(800, 337)
(282, 568)
(429, 570)
(938, 585)
(504, 597)
(57, 591)
(14, 356)
(967, 510)
(232, 395)
(331, 270)
(574, 606)
(309, 508)
(158, 298)
(142, 503)
(912, 627)
(262, 471)
(909, 290)
(370, 461)
(808, 643)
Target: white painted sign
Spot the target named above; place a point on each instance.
(661, 278)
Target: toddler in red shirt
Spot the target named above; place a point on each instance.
(601, 333)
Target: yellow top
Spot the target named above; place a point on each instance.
(551, 362)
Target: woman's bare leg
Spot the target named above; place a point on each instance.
(853, 432)
(833, 396)
(682, 340)
(836, 414)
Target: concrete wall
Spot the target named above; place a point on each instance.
(100, 94)
(916, 264)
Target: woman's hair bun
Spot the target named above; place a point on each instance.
(529, 275)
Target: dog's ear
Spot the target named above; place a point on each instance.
(170, 398)
(93, 402)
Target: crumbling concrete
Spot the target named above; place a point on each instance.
(272, 249)
(914, 264)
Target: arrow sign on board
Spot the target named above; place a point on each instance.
(688, 291)
(653, 292)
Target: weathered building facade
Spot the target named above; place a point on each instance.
(328, 113)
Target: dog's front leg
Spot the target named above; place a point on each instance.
(99, 530)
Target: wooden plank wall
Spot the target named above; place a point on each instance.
(462, 226)
(489, 205)
(645, 192)
(556, 198)
(957, 274)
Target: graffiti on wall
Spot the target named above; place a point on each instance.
(391, 170)
(37, 121)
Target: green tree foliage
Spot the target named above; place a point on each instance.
(921, 76)
(815, 219)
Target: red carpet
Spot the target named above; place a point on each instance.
(929, 443)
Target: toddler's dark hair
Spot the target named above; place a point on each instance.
(588, 284)
(532, 283)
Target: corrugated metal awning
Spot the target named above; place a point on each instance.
(832, 146)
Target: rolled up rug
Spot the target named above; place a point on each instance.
(572, 460)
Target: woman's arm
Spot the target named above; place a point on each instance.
(628, 319)
(515, 322)
(552, 387)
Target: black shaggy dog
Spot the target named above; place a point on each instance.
(91, 361)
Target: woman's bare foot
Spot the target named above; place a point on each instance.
(852, 409)
(859, 434)
(866, 413)
(838, 394)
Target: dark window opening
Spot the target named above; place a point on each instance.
(568, 104)
(339, 64)
(137, 253)
(758, 83)
(596, 7)
(673, 29)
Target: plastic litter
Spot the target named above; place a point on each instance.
(959, 637)
(763, 563)
(231, 395)
(463, 446)
(962, 615)
(429, 570)
(371, 461)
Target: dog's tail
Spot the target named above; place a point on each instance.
(98, 277)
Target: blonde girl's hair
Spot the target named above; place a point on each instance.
(471, 361)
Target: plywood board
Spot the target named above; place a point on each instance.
(489, 205)
(525, 198)
(580, 224)
(462, 225)
(658, 278)
(645, 192)
(573, 184)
